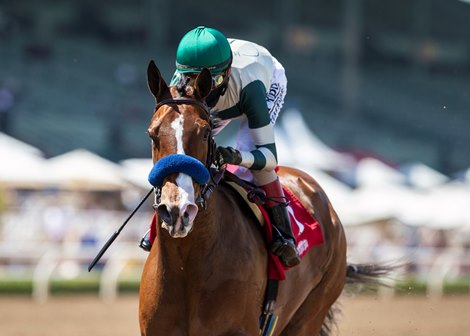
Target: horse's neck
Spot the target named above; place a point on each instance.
(219, 234)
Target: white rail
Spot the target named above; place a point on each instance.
(42, 264)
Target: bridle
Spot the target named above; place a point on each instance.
(183, 100)
(210, 159)
(191, 101)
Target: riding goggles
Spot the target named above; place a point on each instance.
(217, 80)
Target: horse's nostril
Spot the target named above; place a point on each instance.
(185, 219)
(164, 214)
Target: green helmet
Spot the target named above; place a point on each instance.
(203, 48)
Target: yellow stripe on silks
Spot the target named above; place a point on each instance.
(253, 206)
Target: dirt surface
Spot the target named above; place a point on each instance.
(410, 316)
(73, 316)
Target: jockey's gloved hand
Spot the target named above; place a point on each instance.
(228, 155)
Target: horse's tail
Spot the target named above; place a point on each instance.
(369, 274)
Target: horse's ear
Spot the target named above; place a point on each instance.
(203, 83)
(156, 83)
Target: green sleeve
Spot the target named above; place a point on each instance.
(253, 104)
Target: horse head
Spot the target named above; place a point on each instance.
(180, 132)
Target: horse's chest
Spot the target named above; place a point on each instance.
(229, 308)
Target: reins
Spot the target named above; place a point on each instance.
(116, 233)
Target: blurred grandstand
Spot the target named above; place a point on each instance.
(384, 85)
(390, 78)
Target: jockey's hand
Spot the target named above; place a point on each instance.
(228, 155)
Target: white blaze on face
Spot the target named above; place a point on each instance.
(185, 186)
(178, 125)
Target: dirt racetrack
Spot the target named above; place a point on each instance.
(364, 316)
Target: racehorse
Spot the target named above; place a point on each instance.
(206, 273)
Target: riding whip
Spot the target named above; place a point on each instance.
(117, 232)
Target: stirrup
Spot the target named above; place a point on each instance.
(284, 248)
(145, 243)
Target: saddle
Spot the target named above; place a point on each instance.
(305, 227)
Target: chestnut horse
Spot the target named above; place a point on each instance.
(207, 271)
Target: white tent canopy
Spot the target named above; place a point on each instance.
(302, 146)
(136, 171)
(12, 146)
(24, 171)
(417, 195)
(447, 206)
(372, 172)
(422, 176)
(84, 170)
(22, 165)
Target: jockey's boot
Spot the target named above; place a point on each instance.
(283, 244)
(145, 243)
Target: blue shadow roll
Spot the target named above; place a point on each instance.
(178, 163)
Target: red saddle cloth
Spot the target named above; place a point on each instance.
(305, 227)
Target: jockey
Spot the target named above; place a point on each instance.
(248, 84)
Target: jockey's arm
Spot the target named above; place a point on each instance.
(253, 104)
